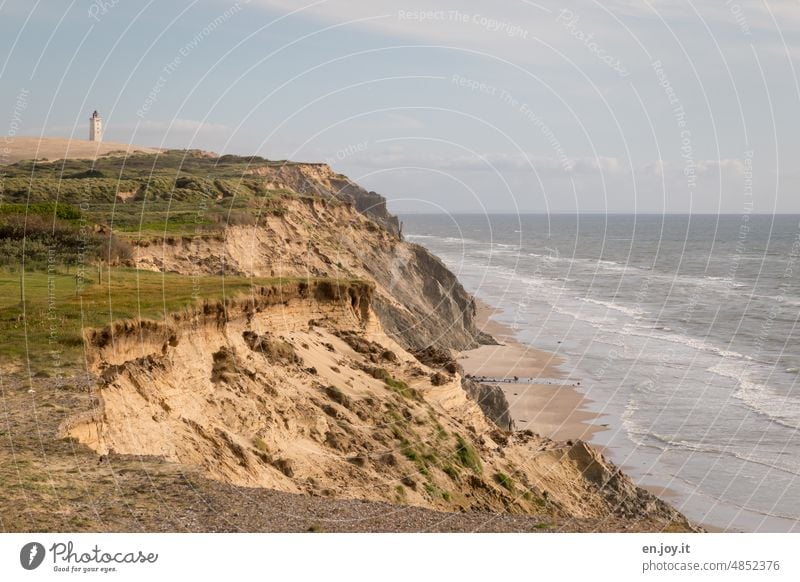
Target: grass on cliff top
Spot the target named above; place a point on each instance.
(46, 330)
(143, 166)
(179, 193)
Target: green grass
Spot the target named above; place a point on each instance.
(451, 472)
(467, 456)
(46, 330)
(62, 211)
(504, 481)
(401, 388)
(174, 175)
(150, 219)
(411, 454)
(194, 167)
(52, 217)
(175, 192)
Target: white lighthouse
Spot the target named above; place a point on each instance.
(95, 127)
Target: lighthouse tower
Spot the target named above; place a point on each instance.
(95, 127)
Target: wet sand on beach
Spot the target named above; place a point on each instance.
(543, 400)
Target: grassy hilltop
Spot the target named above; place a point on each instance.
(71, 206)
(66, 235)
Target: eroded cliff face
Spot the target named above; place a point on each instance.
(334, 387)
(298, 388)
(418, 301)
(321, 181)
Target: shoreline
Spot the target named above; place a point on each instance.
(541, 396)
(554, 408)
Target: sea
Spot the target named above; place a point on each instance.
(682, 330)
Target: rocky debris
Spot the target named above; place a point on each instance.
(224, 366)
(492, 401)
(438, 358)
(627, 499)
(484, 339)
(439, 379)
(277, 351)
(362, 345)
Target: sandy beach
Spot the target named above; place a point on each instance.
(542, 398)
(552, 406)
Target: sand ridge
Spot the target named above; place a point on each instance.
(51, 149)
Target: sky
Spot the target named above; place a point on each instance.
(617, 106)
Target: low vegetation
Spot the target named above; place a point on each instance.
(39, 235)
(467, 456)
(402, 388)
(505, 482)
(141, 196)
(42, 313)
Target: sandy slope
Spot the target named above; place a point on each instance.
(280, 391)
(14, 149)
(418, 301)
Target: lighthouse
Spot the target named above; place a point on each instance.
(95, 127)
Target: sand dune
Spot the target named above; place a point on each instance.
(14, 149)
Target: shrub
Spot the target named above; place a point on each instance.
(42, 239)
(62, 211)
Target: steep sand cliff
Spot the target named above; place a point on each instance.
(321, 181)
(418, 301)
(336, 380)
(297, 388)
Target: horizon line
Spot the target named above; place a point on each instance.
(504, 213)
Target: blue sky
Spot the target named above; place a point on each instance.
(614, 106)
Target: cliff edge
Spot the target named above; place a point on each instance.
(297, 388)
(271, 330)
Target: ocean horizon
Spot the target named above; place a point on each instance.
(654, 213)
